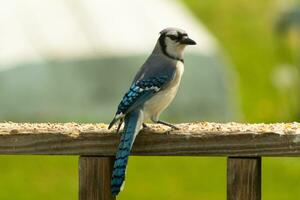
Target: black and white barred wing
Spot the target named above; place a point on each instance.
(137, 95)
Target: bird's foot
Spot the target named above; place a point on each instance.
(168, 124)
(145, 126)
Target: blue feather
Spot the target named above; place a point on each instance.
(130, 107)
(138, 91)
(133, 121)
(138, 94)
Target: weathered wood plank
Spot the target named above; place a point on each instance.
(94, 178)
(193, 139)
(244, 178)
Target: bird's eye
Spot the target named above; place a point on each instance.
(172, 37)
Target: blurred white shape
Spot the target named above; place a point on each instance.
(61, 29)
(285, 76)
(14, 44)
(52, 28)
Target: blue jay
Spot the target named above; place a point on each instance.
(152, 90)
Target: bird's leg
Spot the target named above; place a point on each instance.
(119, 125)
(167, 124)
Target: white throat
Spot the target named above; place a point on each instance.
(175, 50)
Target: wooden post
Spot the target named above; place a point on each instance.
(244, 178)
(94, 178)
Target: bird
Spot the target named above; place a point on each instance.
(152, 90)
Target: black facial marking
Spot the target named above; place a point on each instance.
(178, 37)
(181, 35)
(173, 37)
(163, 45)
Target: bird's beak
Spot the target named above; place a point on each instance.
(187, 41)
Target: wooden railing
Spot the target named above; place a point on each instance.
(243, 144)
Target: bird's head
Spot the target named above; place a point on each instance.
(173, 41)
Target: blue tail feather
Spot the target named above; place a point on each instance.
(133, 122)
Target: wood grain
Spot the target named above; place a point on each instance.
(244, 178)
(193, 139)
(94, 178)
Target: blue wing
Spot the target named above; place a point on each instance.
(138, 94)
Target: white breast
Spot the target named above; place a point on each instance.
(162, 99)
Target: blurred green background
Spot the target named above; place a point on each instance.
(260, 40)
